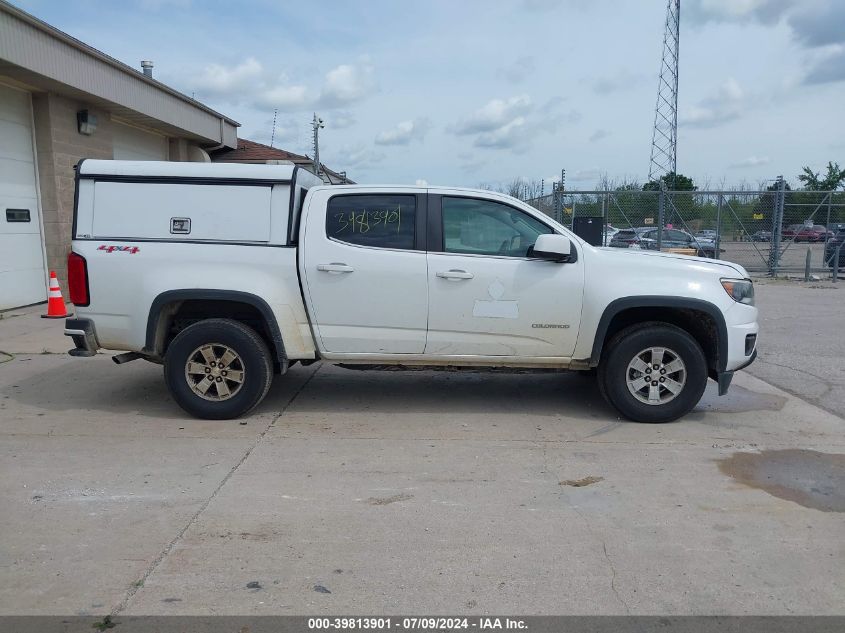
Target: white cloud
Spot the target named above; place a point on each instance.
(751, 161)
(346, 84)
(358, 156)
(726, 105)
(512, 123)
(283, 98)
(421, 182)
(219, 80)
(405, 132)
(512, 135)
(494, 115)
(250, 82)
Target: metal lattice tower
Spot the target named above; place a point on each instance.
(316, 124)
(664, 139)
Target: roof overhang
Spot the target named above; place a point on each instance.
(41, 57)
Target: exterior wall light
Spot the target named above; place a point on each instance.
(86, 122)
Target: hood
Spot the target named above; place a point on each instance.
(719, 266)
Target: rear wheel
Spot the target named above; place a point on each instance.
(653, 372)
(218, 369)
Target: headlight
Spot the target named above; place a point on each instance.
(740, 290)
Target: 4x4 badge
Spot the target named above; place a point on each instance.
(110, 248)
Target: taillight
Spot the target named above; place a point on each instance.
(77, 279)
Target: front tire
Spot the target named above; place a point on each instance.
(218, 369)
(653, 372)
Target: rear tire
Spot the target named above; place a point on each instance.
(631, 384)
(218, 369)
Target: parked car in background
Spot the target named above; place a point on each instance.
(645, 237)
(629, 238)
(707, 235)
(608, 233)
(826, 232)
(837, 241)
(675, 238)
(761, 236)
(804, 233)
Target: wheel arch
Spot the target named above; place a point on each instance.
(680, 311)
(167, 305)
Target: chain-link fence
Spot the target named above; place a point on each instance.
(774, 231)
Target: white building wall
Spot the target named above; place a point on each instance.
(132, 143)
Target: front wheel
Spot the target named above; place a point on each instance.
(653, 372)
(218, 369)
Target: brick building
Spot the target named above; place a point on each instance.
(253, 152)
(62, 100)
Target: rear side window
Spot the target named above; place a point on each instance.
(676, 236)
(377, 221)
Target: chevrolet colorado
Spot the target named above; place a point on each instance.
(229, 273)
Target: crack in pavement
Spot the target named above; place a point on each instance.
(138, 584)
(613, 578)
(606, 557)
(823, 380)
(815, 401)
(592, 533)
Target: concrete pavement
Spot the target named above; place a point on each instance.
(423, 492)
(802, 340)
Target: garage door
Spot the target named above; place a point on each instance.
(130, 143)
(22, 278)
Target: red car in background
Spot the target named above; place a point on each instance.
(804, 233)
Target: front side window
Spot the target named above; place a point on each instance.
(482, 227)
(377, 221)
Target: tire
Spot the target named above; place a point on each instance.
(200, 351)
(618, 364)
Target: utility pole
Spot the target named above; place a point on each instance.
(316, 124)
(777, 225)
(557, 196)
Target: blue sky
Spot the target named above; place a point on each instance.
(469, 92)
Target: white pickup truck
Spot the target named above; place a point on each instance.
(228, 274)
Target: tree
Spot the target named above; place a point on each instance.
(673, 182)
(832, 180)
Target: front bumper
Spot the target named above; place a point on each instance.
(743, 332)
(724, 378)
(84, 337)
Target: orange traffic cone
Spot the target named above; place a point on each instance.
(55, 304)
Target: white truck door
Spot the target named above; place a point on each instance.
(486, 296)
(363, 262)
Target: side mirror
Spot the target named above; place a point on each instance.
(553, 247)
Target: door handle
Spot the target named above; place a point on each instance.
(455, 274)
(335, 267)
